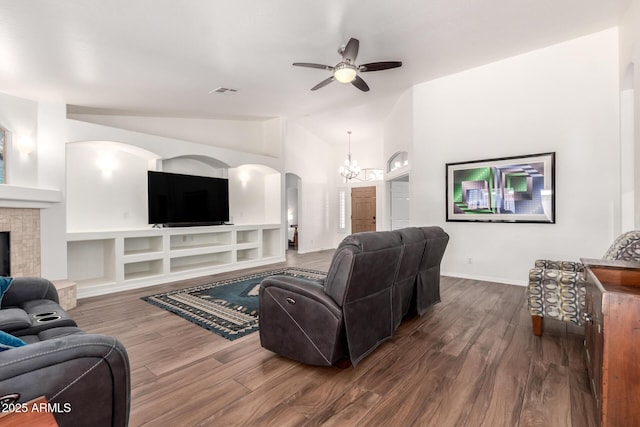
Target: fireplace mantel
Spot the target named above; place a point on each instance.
(16, 196)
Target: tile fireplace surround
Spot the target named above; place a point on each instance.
(24, 226)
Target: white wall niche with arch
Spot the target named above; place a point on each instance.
(194, 165)
(106, 185)
(254, 195)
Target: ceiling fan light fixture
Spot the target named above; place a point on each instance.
(345, 73)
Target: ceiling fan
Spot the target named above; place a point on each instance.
(346, 71)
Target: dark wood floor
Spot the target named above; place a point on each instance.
(470, 361)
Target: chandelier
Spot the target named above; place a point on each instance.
(350, 169)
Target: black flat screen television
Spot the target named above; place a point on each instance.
(177, 200)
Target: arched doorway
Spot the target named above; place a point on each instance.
(292, 191)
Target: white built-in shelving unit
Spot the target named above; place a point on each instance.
(102, 262)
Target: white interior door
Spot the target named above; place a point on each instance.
(399, 204)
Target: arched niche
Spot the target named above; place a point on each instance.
(194, 165)
(255, 194)
(106, 185)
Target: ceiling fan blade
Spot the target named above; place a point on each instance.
(323, 83)
(379, 66)
(310, 65)
(360, 84)
(350, 51)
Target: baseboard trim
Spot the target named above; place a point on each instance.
(500, 280)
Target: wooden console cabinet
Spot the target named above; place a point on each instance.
(612, 339)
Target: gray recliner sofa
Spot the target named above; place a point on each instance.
(375, 279)
(85, 377)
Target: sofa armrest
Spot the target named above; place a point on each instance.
(13, 319)
(559, 265)
(85, 376)
(25, 289)
(557, 294)
(300, 321)
(311, 289)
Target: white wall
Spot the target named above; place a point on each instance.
(630, 63)
(258, 137)
(52, 137)
(367, 152)
(20, 117)
(398, 130)
(273, 211)
(167, 148)
(97, 200)
(564, 99)
(45, 124)
(312, 160)
(254, 195)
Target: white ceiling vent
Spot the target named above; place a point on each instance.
(222, 90)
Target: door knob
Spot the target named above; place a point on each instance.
(587, 318)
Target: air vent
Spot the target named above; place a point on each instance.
(222, 90)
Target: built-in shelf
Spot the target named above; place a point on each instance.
(91, 262)
(142, 245)
(102, 262)
(142, 269)
(200, 261)
(247, 236)
(247, 254)
(200, 240)
(271, 241)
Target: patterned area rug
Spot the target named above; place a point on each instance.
(228, 308)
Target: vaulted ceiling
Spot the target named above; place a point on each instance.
(163, 57)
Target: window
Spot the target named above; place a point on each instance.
(397, 161)
(373, 174)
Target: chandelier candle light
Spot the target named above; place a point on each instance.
(350, 169)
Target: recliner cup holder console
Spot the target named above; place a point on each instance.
(49, 313)
(49, 319)
(49, 316)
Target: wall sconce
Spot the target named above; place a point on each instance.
(107, 164)
(25, 145)
(244, 177)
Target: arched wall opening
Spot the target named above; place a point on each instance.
(293, 183)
